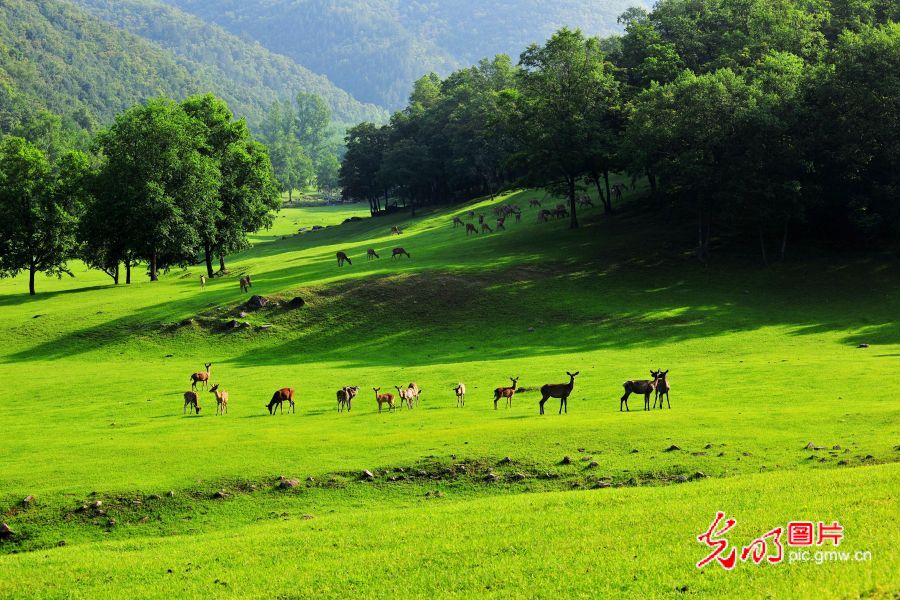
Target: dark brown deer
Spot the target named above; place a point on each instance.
(561, 211)
(559, 390)
(486, 227)
(370, 254)
(638, 386)
(506, 392)
(345, 397)
(470, 215)
(191, 400)
(662, 388)
(544, 215)
(384, 399)
(460, 390)
(457, 222)
(481, 219)
(533, 203)
(221, 399)
(245, 284)
(202, 377)
(500, 224)
(278, 399)
(399, 252)
(470, 228)
(342, 258)
(518, 213)
(395, 230)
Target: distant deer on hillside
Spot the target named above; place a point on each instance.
(457, 222)
(221, 399)
(486, 227)
(639, 386)
(662, 388)
(278, 399)
(202, 281)
(191, 400)
(506, 392)
(399, 252)
(460, 390)
(384, 399)
(559, 390)
(500, 224)
(395, 230)
(470, 228)
(202, 377)
(342, 258)
(370, 254)
(245, 284)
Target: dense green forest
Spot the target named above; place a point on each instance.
(375, 49)
(751, 119)
(57, 58)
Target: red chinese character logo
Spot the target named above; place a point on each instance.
(759, 549)
(719, 545)
(800, 533)
(833, 532)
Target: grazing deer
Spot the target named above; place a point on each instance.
(585, 201)
(518, 214)
(278, 399)
(470, 229)
(544, 215)
(486, 227)
(221, 399)
(457, 222)
(191, 399)
(201, 378)
(662, 388)
(245, 284)
(639, 386)
(559, 390)
(202, 281)
(506, 392)
(370, 254)
(470, 215)
(342, 258)
(405, 396)
(460, 390)
(500, 223)
(395, 230)
(534, 203)
(561, 211)
(399, 252)
(384, 399)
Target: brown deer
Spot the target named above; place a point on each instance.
(345, 397)
(221, 399)
(278, 399)
(518, 214)
(534, 203)
(481, 219)
(486, 227)
(202, 281)
(559, 390)
(384, 399)
(413, 391)
(662, 388)
(395, 230)
(506, 392)
(342, 258)
(500, 224)
(457, 222)
(561, 211)
(470, 229)
(544, 215)
(245, 284)
(460, 390)
(639, 386)
(585, 201)
(399, 252)
(470, 215)
(202, 377)
(405, 395)
(191, 400)
(370, 254)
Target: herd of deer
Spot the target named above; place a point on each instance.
(410, 394)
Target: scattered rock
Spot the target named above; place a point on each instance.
(29, 499)
(531, 329)
(869, 457)
(566, 460)
(581, 449)
(593, 464)
(368, 475)
(307, 517)
(698, 453)
(748, 454)
(244, 314)
(681, 478)
(289, 483)
(256, 302)
(220, 495)
(811, 446)
(519, 476)
(698, 475)
(505, 460)
(707, 447)
(232, 324)
(61, 543)
(96, 504)
(171, 494)
(587, 458)
(672, 448)
(843, 462)
(720, 454)
(187, 322)
(297, 302)
(602, 484)
(311, 479)
(863, 346)
(111, 523)
(491, 478)
(835, 447)
(5, 532)
(422, 473)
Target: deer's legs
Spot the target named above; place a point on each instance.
(667, 401)
(543, 399)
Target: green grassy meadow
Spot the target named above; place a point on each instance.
(762, 362)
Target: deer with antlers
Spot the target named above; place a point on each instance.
(384, 399)
(506, 392)
(644, 387)
(221, 399)
(399, 252)
(343, 258)
(192, 400)
(278, 399)
(662, 388)
(460, 390)
(559, 390)
(370, 254)
(201, 377)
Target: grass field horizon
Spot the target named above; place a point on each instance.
(762, 363)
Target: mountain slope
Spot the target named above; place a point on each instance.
(58, 57)
(375, 48)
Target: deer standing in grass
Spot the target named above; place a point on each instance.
(662, 388)
(500, 224)
(395, 230)
(534, 203)
(202, 377)
(559, 390)
(345, 397)
(399, 252)
(457, 222)
(342, 258)
(413, 391)
(245, 284)
(191, 400)
(221, 399)
(518, 214)
(470, 229)
(506, 392)
(202, 281)
(460, 390)
(639, 386)
(384, 399)
(405, 396)
(370, 254)
(486, 227)
(278, 399)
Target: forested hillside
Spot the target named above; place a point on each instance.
(57, 57)
(376, 49)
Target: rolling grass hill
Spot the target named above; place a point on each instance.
(460, 501)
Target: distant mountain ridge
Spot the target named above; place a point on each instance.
(375, 49)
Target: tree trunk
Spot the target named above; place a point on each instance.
(607, 202)
(607, 207)
(128, 271)
(702, 238)
(784, 239)
(574, 222)
(31, 272)
(762, 245)
(154, 275)
(115, 274)
(291, 195)
(207, 251)
(221, 263)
